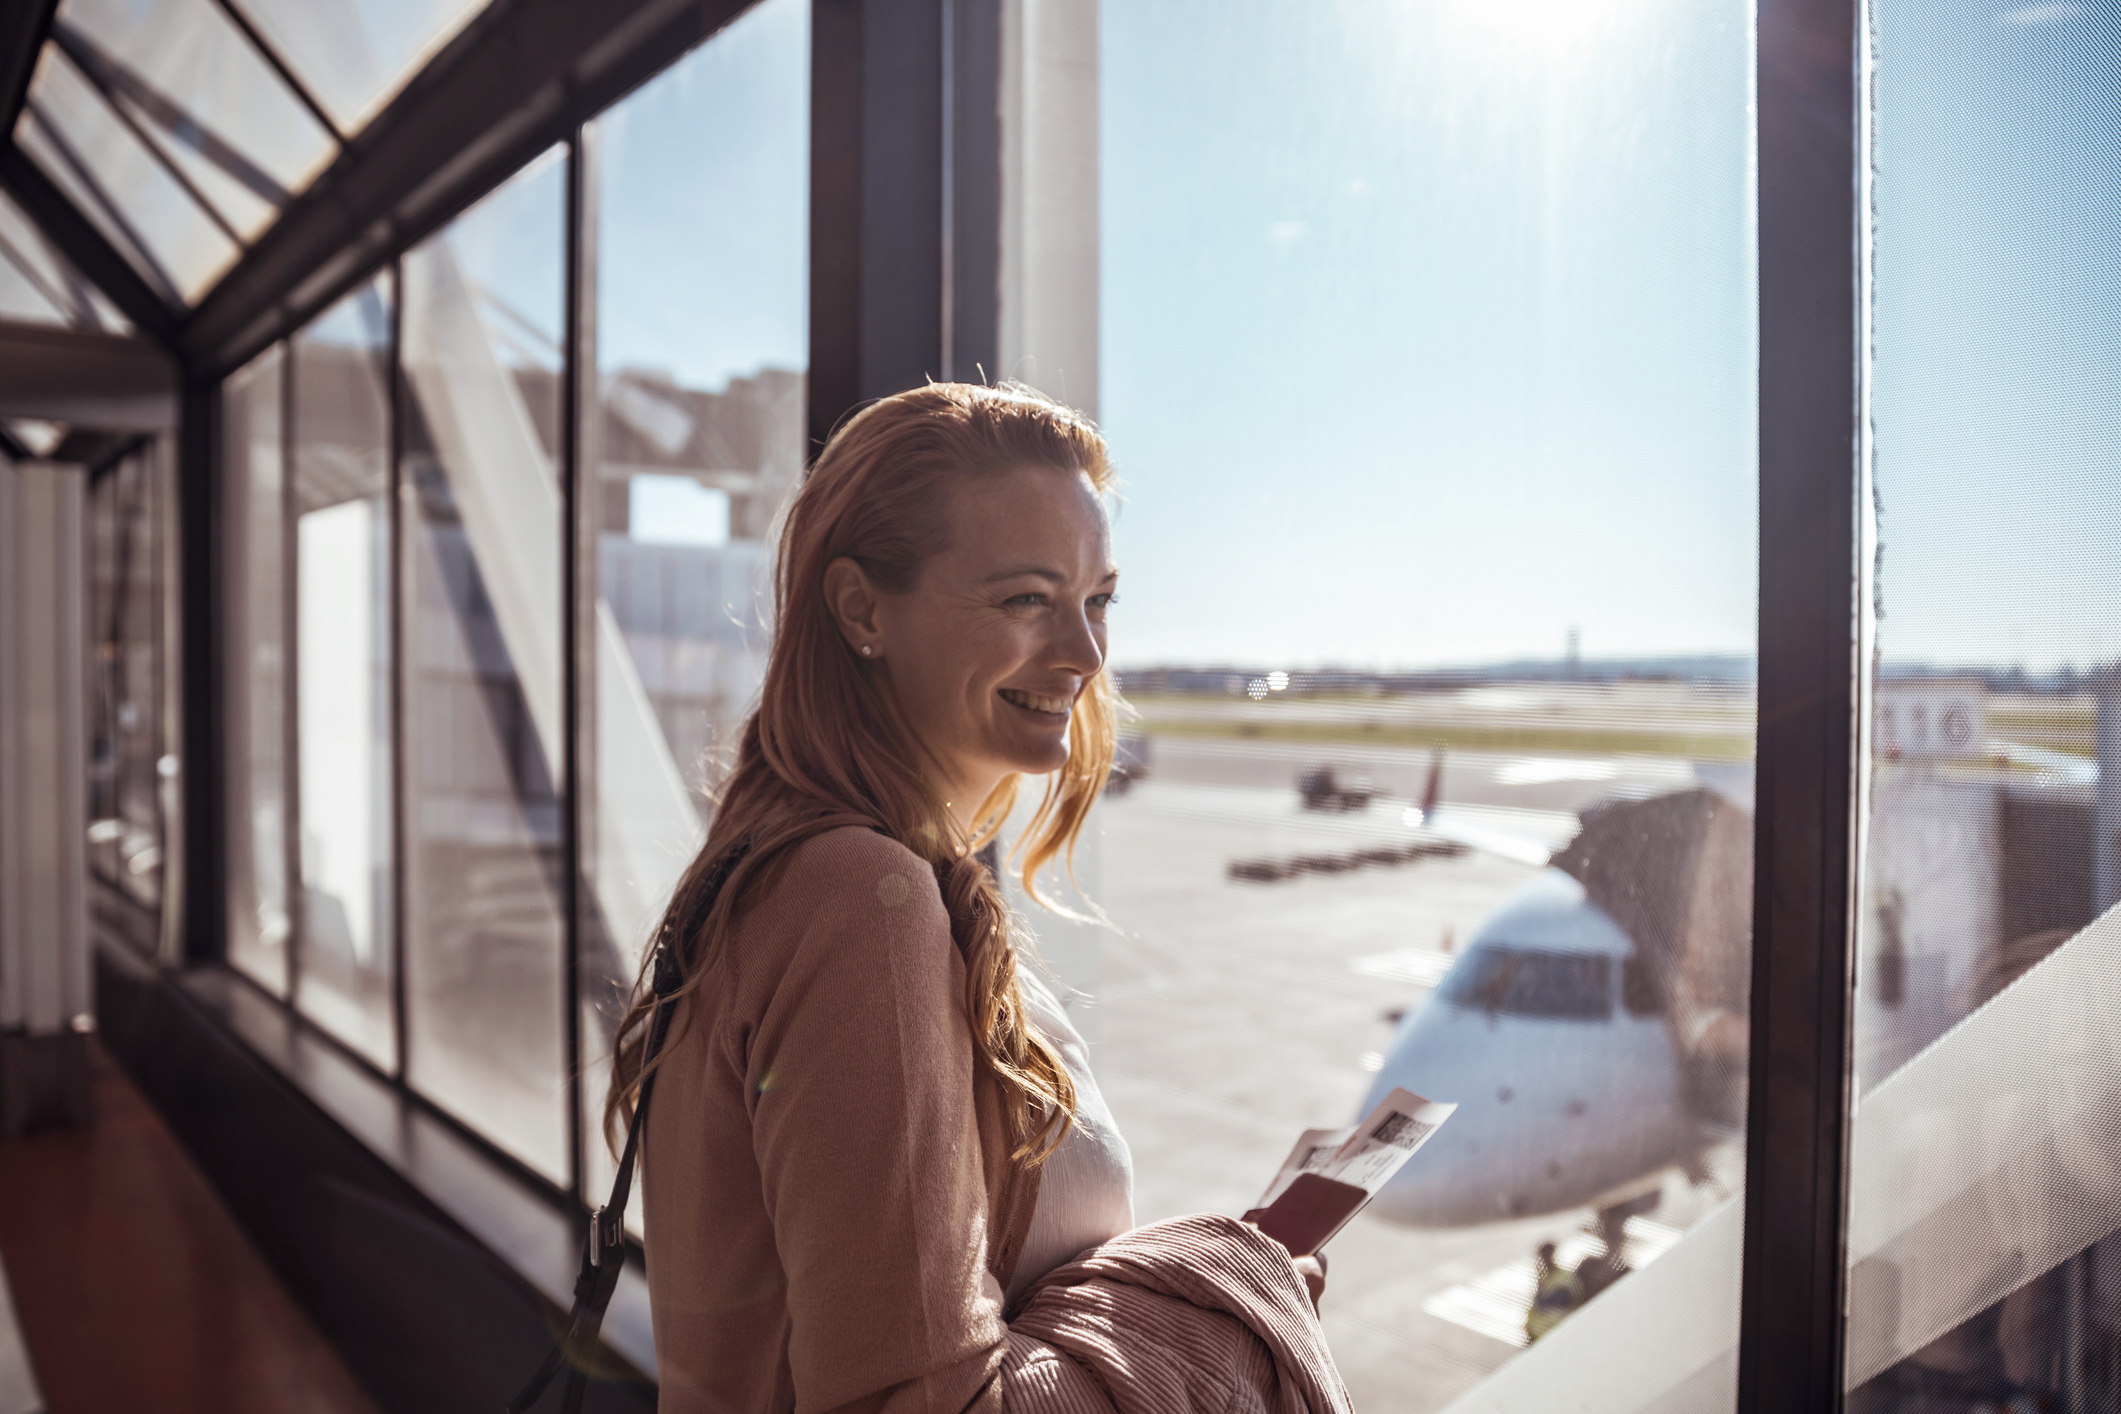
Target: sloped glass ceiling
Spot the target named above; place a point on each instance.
(38, 285)
(182, 128)
(354, 55)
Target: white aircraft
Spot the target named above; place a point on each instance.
(1593, 1030)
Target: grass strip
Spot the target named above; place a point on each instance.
(1694, 746)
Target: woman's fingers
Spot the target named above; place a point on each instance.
(1313, 1269)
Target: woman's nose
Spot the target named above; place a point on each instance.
(1077, 647)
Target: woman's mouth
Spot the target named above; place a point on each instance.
(1032, 702)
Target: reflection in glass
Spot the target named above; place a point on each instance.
(132, 773)
(254, 691)
(25, 295)
(40, 285)
(354, 55)
(1427, 349)
(341, 447)
(702, 227)
(482, 324)
(1984, 1185)
(186, 78)
(119, 184)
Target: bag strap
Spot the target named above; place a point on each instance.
(604, 1256)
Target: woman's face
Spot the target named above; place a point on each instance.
(988, 651)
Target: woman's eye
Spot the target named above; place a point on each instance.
(1031, 598)
(1103, 601)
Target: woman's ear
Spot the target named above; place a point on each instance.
(854, 602)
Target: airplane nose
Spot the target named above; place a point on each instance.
(1473, 1169)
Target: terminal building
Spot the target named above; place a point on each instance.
(397, 402)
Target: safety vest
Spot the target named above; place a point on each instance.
(1560, 1292)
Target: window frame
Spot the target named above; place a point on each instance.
(201, 494)
(1812, 699)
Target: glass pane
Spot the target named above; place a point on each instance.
(484, 935)
(119, 184)
(189, 79)
(1983, 1207)
(24, 296)
(254, 692)
(38, 283)
(131, 771)
(703, 212)
(341, 446)
(354, 55)
(1428, 346)
(62, 164)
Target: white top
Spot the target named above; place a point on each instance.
(1086, 1193)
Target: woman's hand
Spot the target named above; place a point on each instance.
(1313, 1271)
(1312, 1268)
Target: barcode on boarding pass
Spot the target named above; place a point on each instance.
(1401, 1131)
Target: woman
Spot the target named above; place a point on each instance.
(872, 1131)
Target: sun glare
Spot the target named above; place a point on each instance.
(1544, 24)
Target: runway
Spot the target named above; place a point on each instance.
(1231, 1014)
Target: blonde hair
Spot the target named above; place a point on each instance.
(825, 747)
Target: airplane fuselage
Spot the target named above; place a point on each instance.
(1566, 1098)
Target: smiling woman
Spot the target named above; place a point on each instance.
(986, 653)
(879, 1138)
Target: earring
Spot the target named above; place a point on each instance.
(867, 650)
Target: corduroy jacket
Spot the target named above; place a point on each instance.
(830, 1210)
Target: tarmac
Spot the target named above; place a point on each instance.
(1229, 1014)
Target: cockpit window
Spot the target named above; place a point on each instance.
(1533, 982)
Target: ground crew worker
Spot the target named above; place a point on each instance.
(1557, 1293)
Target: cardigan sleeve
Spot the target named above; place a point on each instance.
(859, 1072)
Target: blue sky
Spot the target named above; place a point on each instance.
(1429, 325)
(1997, 344)
(706, 211)
(1428, 328)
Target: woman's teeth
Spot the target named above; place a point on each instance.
(1053, 706)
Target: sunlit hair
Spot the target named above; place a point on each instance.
(826, 748)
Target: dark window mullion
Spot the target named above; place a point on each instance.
(580, 494)
(400, 671)
(290, 685)
(1794, 1279)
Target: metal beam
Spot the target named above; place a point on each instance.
(835, 376)
(972, 265)
(905, 198)
(578, 568)
(1791, 1340)
(84, 245)
(518, 80)
(202, 637)
(106, 381)
(22, 36)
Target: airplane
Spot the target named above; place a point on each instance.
(1593, 1029)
